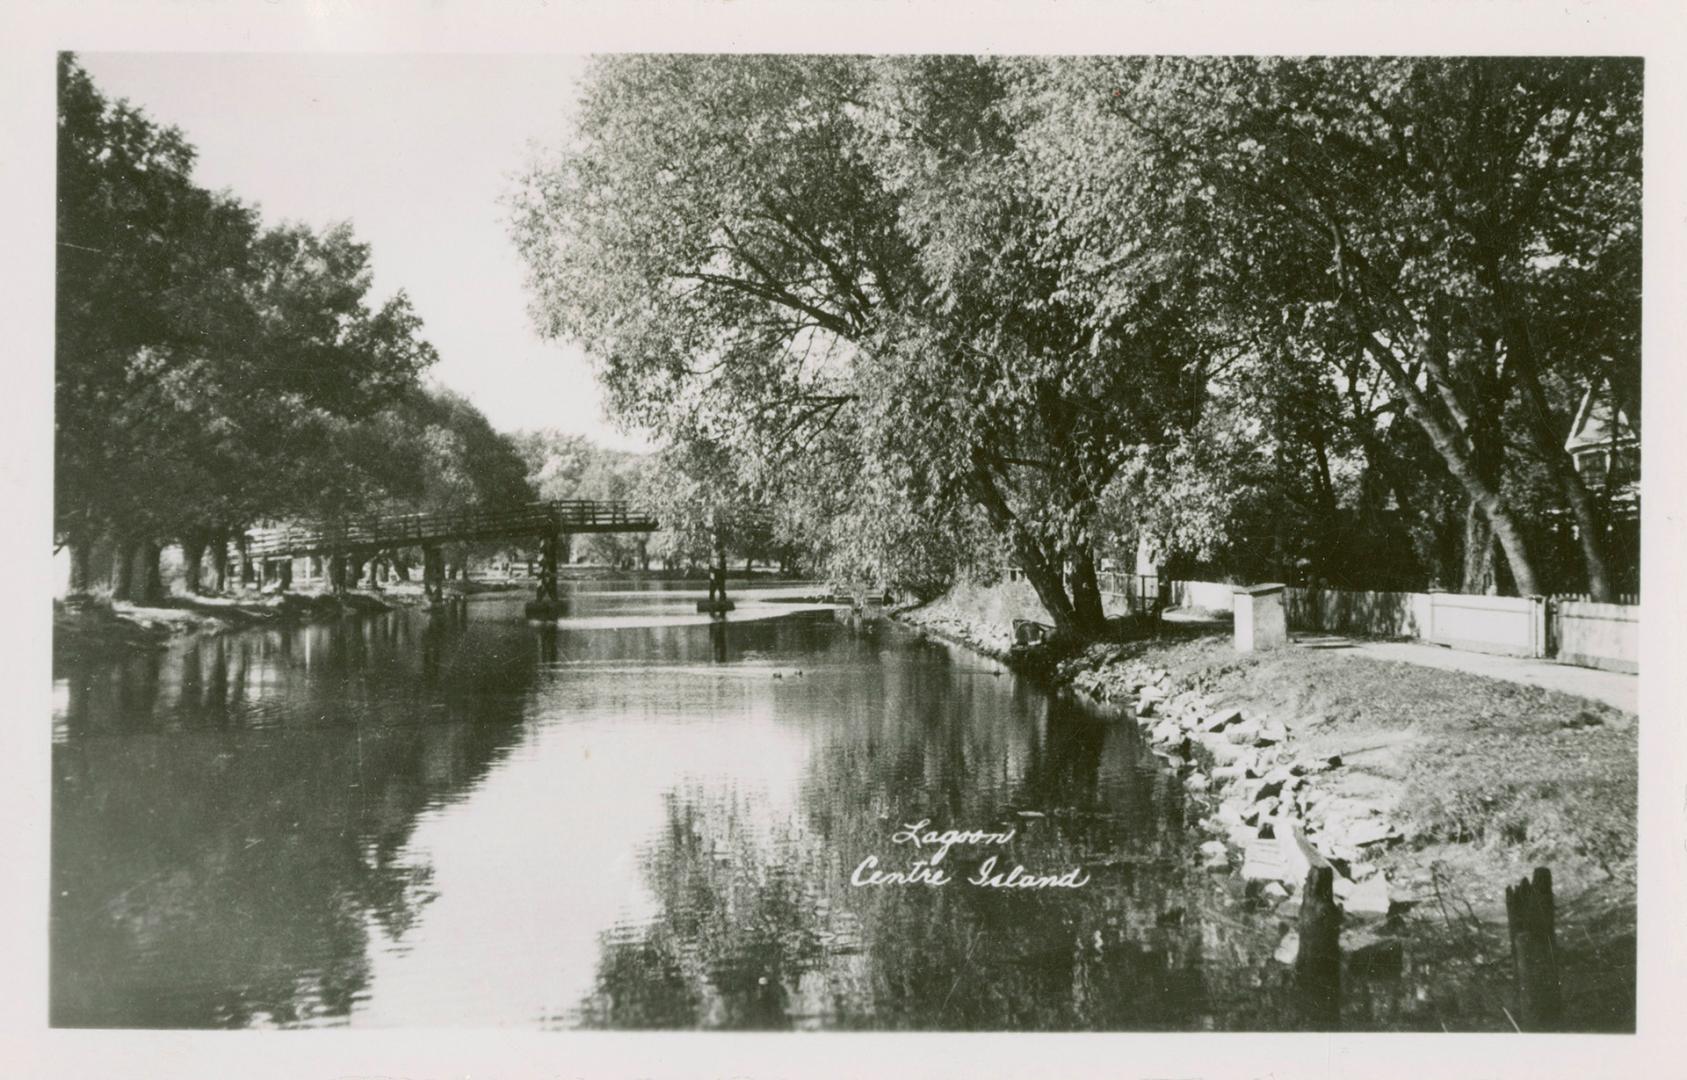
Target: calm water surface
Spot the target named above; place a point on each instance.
(633, 818)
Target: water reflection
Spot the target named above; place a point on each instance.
(627, 820)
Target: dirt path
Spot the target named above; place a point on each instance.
(1613, 688)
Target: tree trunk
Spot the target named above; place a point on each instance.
(123, 569)
(1041, 571)
(193, 561)
(219, 561)
(246, 572)
(1478, 577)
(1460, 460)
(1086, 593)
(1547, 435)
(80, 575)
(150, 583)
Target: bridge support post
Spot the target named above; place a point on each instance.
(717, 603)
(547, 605)
(547, 566)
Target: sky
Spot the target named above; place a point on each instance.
(417, 152)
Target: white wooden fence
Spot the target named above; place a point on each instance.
(1573, 631)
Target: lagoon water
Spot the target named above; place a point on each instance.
(636, 817)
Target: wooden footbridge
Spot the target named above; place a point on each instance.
(355, 540)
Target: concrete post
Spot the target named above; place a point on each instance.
(1260, 622)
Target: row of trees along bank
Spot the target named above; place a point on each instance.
(943, 312)
(213, 372)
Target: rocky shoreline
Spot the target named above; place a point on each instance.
(1311, 759)
(1261, 801)
(1271, 815)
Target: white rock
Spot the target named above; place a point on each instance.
(1296, 852)
(1274, 892)
(1262, 860)
(1367, 831)
(1223, 751)
(1288, 949)
(1369, 899)
(1221, 719)
(1244, 733)
(1196, 782)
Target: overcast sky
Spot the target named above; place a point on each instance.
(416, 152)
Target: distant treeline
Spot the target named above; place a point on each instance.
(1287, 318)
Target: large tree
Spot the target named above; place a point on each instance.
(1468, 229)
(205, 367)
(782, 249)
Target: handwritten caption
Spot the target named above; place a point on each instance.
(934, 846)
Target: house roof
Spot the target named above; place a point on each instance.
(1598, 423)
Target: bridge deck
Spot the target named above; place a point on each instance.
(408, 530)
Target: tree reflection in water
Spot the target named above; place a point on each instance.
(758, 926)
(236, 841)
(225, 862)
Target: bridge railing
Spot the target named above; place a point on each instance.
(400, 530)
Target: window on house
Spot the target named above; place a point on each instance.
(1591, 464)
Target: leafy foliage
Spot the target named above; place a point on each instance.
(212, 373)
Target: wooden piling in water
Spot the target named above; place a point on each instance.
(1530, 915)
(1318, 963)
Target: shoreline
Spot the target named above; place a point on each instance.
(100, 627)
(1405, 782)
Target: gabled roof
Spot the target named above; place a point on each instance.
(1594, 426)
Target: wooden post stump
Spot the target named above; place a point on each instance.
(1318, 964)
(1530, 915)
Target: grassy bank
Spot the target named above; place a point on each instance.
(1428, 790)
